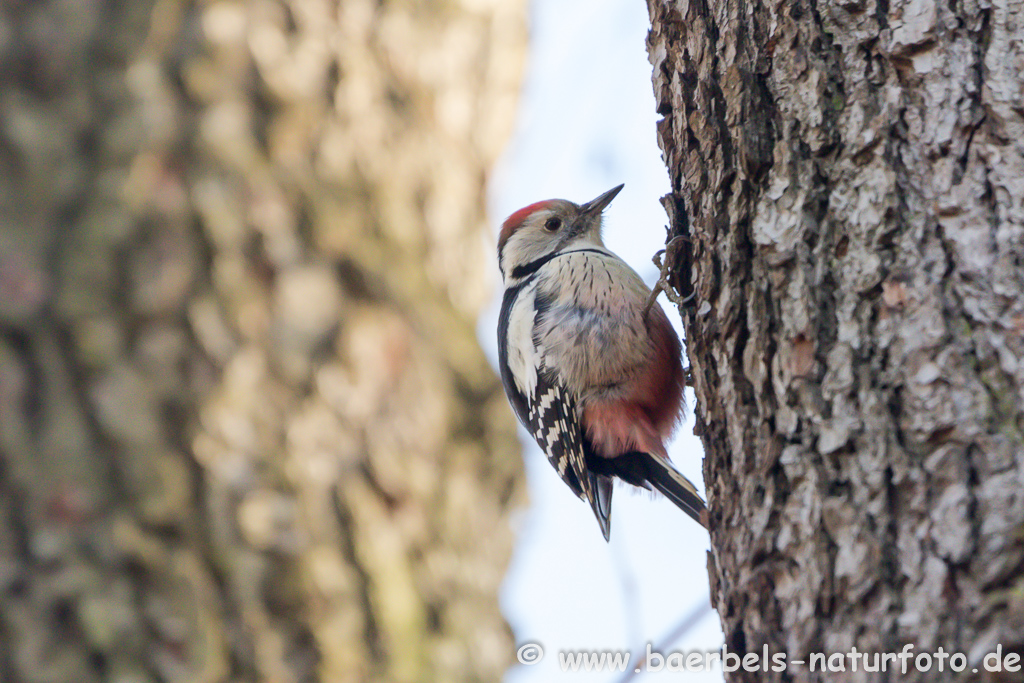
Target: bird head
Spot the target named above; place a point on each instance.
(548, 227)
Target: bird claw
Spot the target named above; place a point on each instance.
(664, 270)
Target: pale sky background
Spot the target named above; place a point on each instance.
(587, 123)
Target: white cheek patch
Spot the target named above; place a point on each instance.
(529, 243)
(523, 358)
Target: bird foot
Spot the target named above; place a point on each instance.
(665, 270)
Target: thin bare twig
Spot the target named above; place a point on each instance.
(691, 619)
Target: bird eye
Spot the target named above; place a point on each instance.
(553, 224)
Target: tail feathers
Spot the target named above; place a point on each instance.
(676, 488)
(601, 502)
(643, 470)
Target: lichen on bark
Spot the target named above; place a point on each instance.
(849, 176)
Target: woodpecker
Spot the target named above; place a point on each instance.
(591, 370)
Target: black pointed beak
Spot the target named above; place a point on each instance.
(596, 206)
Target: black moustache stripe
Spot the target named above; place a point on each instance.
(533, 266)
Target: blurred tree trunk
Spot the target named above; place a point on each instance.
(246, 430)
(850, 177)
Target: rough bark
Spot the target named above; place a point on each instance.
(850, 178)
(246, 432)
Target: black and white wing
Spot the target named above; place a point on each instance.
(554, 423)
(544, 406)
(551, 419)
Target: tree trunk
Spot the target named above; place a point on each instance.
(246, 430)
(849, 177)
